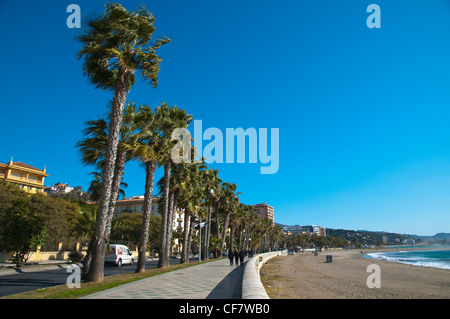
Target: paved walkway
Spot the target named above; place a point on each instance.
(212, 280)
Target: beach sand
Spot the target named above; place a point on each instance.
(305, 276)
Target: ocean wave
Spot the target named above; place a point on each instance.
(414, 259)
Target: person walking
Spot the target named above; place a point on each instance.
(236, 256)
(231, 256)
(241, 257)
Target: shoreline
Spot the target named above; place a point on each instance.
(305, 276)
(426, 263)
(406, 248)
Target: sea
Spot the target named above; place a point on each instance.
(423, 256)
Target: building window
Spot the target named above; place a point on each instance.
(34, 179)
(16, 175)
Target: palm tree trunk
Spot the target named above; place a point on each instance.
(172, 216)
(88, 259)
(191, 230)
(240, 239)
(207, 235)
(232, 237)
(169, 229)
(163, 262)
(217, 208)
(225, 228)
(150, 168)
(100, 239)
(186, 232)
(120, 164)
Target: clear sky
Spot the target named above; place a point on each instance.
(363, 114)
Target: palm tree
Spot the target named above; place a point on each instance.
(230, 201)
(211, 184)
(180, 192)
(191, 199)
(250, 219)
(95, 187)
(83, 226)
(115, 46)
(264, 228)
(125, 146)
(93, 148)
(217, 205)
(174, 118)
(174, 193)
(146, 149)
(236, 218)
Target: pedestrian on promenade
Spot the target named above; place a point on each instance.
(231, 256)
(241, 256)
(236, 256)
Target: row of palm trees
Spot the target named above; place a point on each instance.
(191, 187)
(115, 47)
(295, 241)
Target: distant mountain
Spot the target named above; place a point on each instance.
(368, 237)
(438, 236)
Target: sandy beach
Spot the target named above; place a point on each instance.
(305, 276)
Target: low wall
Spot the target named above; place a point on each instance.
(252, 288)
(39, 256)
(63, 255)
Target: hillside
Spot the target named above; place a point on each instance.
(439, 238)
(366, 237)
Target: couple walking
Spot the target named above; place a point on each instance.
(237, 256)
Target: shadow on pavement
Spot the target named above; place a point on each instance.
(230, 287)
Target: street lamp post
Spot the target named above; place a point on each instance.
(200, 240)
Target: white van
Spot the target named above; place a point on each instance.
(119, 255)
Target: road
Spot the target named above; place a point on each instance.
(26, 280)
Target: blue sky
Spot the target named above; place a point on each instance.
(363, 113)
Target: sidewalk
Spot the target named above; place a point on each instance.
(212, 280)
(8, 268)
(6, 265)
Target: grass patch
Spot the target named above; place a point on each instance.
(64, 292)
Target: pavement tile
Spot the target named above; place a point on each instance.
(196, 282)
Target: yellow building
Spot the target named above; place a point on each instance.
(27, 177)
(135, 204)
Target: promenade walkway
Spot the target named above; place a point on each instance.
(212, 280)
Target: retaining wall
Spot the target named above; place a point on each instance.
(252, 288)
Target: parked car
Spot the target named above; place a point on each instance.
(119, 255)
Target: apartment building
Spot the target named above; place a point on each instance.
(265, 211)
(135, 204)
(304, 230)
(27, 177)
